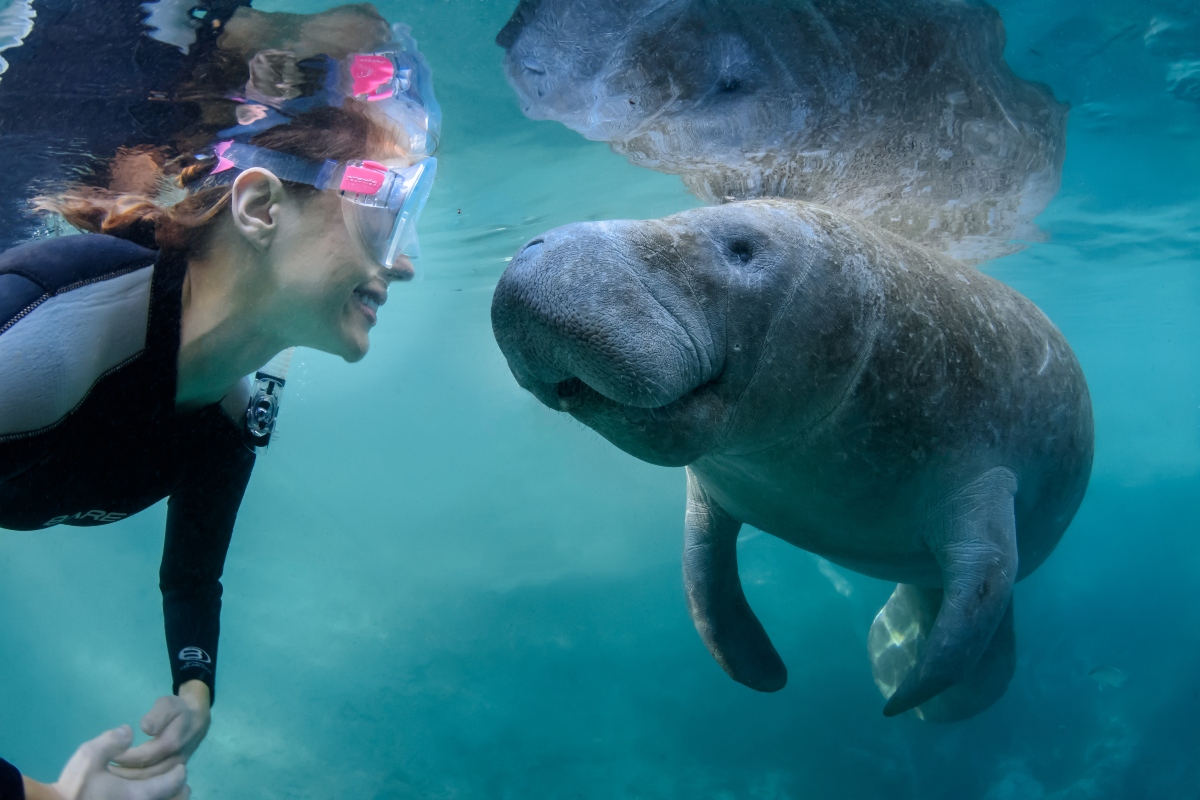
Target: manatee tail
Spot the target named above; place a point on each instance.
(973, 536)
(718, 606)
(897, 642)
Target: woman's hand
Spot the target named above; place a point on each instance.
(87, 775)
(178, 725)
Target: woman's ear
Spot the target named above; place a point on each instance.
(255, 202)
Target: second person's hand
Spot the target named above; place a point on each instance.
(87, 775)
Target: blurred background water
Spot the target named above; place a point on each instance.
(440, 589)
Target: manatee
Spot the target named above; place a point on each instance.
(831, 384)
(902, 112)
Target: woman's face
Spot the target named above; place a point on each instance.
(327, 277)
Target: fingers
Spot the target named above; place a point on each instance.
(142, 773)
(162, 787)
(99, 751)
(168, 736)
(164, 710)
(152, 752)
(149, 753)
(91, 758)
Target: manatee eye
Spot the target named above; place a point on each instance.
(742, 249)
(729, 85)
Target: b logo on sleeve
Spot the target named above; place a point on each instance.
(195, 657)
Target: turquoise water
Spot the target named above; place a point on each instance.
(438, 588)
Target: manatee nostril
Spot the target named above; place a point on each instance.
(742, 250)
(532, 244)
(533, 65)
(568, 388)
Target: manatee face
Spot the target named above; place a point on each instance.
(653, 333)
(697, 74)
(901, 111)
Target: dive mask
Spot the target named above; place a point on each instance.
(380, 203)
(394, 81)
(397, 83)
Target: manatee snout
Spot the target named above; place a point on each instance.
(522, 16)
(536, 74)
(577, 312)
(556, 72)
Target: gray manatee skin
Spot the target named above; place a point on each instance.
(830, 383)
(897, 640)
(902, 112)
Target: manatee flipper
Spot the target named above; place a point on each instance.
(897, 642)
(973, 535)
(719, 609)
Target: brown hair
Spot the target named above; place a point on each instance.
(334, 133)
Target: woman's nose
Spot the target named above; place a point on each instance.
(402, 270)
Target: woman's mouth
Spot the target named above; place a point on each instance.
(369, 304)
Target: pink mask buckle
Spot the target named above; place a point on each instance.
(370, 73)
(365, 179)
(222, 162)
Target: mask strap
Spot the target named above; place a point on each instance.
(284, 166)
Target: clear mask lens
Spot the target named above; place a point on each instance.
(385, 220)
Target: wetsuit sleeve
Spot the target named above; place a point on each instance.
(200, 518)
(11, 785)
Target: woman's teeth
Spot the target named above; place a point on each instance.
(367, 300)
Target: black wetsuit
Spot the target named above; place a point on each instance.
(88, 79)
(11, 786)
(89, 433)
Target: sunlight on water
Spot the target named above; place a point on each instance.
(440, 589)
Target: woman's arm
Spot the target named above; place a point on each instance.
(200, 519)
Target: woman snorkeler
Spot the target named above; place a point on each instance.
(122, 371)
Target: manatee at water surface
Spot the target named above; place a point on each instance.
(834, 385)
(903, 112)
